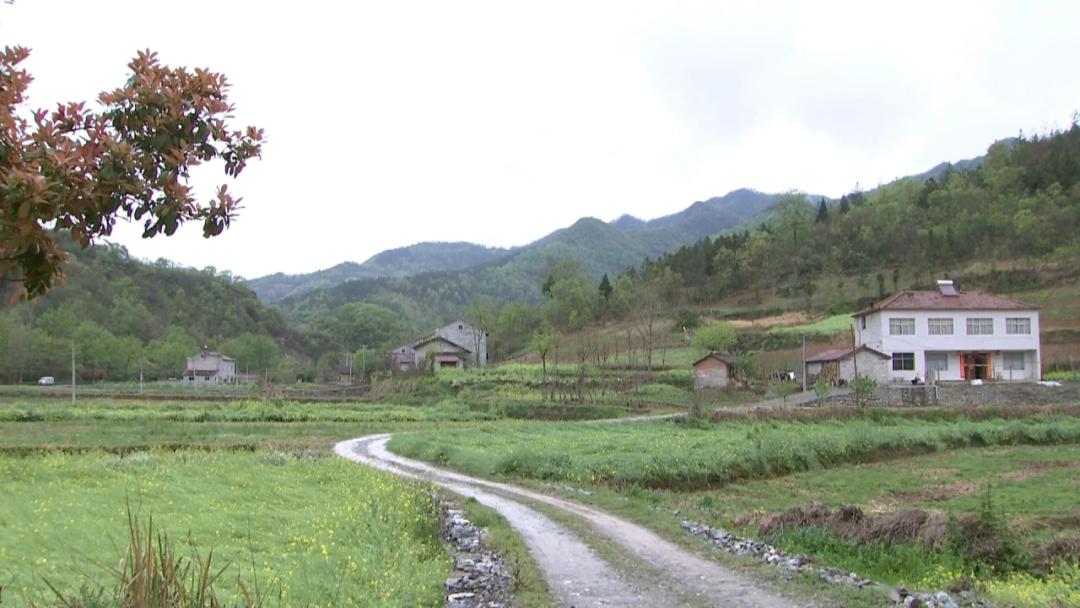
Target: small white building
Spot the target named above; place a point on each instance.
(208, 366)
(952, 335)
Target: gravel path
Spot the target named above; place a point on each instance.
(576, 574)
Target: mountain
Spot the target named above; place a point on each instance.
(705, 218)
(597, 247)
(399, 262)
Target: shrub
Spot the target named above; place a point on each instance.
(864, 386)
(822, 388)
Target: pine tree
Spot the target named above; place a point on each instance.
(822, 213)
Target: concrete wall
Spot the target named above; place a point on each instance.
(870, 365)
(224, 367)
(1003, 394)
(460, 332)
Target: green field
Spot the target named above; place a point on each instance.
(831, 325)
(252, 481)
(669, 455)
(312, 530)
(734, 474)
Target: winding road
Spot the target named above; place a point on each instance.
(652, 572)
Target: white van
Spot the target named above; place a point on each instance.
(46, 380)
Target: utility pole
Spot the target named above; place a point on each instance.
(140, 375)
(73, 371)
(348, 360)
(855, 363)
(804, 363)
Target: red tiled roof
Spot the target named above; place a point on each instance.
(934, 300)
(841, 353)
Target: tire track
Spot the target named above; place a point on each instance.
(576, 575)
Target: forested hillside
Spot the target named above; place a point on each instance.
(1021, 202)
(596, 247)
(119, 312)
(399, 262)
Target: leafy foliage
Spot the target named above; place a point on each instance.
(79, 171)
(1022, 200)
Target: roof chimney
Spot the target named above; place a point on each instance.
(947, 288)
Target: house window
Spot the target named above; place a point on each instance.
(1014, 361)
(941, 327)
(903, 362)
(937, 362)
(980, 327)
(1018, 325)
(901, 327)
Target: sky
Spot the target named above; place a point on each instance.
(391, 123)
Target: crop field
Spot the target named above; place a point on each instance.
(1016, 471)
(830, 325)
(303, 530)
(669, 455)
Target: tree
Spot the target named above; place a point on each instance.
(254, 353)
(545, 339)
(168, 356)
(79, 171)
(360, 324)
(715, 337)
(605, 288)
(783, 388)
(822, 213)
(482, 315)
(647, 300)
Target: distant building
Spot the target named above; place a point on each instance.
(456, 344)
(952, 335)
(208, 366)
(714, 370)
(838, 365)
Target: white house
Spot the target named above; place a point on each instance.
(952, 335)
(208, 366)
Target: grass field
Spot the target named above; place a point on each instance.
(736, 473)
(312, 530)
(828, 326)
(669, 455)
(253, 481)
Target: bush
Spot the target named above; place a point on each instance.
(687, 318)
(822, 388)
(864, 386)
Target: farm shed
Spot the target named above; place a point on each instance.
(714, 370)
(839, 364)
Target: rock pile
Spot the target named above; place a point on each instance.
(481, 578)
(769, 554)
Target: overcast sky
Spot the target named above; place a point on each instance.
(390, 123)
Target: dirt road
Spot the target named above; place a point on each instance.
(663, 574)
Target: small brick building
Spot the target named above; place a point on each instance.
(714, 370)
